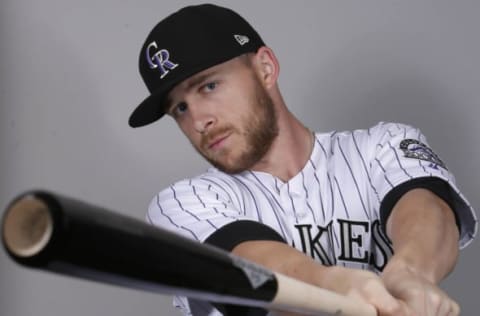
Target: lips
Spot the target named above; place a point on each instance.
(217, 141)
(214, 140)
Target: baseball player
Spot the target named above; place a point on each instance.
(373, 214)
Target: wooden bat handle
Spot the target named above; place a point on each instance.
(292, 292)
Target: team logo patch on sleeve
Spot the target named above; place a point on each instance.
(413, 148)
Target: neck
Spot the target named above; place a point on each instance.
(290, 150)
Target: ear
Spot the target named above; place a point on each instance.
(267, 66)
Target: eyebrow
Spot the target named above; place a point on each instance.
(196, 80)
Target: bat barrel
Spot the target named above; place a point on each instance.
(52, 232)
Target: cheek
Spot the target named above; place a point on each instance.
(187, 130)
(234, 109)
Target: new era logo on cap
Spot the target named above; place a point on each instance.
(241, 39)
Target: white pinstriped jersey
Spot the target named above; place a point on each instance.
(330, 210)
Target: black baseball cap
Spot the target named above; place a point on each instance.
(186, 42)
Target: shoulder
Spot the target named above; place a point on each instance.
(212, 179)
(212, 184)
(367, 137)
(378, 130)
(378, 134)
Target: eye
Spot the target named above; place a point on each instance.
(179, 109)
(209, 87)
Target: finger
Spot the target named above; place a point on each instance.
(455, 311)
(444, 308)
(385, 303)
(402, 309)
(448, 308)
(439, 304)
(435, 304)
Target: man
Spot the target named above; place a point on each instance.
(318, 207)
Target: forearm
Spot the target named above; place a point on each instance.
(282, 258)
(356, 284)
(424, 236)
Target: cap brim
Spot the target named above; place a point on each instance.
(149, 111)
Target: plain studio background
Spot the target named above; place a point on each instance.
(69, 81)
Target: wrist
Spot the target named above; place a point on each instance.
(345, 280)
(398, 268)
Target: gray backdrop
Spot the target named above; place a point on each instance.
(69, 81)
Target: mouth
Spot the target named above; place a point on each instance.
(217, 141)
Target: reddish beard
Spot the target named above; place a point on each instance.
(258, 129)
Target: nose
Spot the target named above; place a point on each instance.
(203, 120)
(204, 124)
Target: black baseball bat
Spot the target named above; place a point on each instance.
(53, 232)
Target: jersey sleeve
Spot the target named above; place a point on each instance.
(209, 208)
(194, 208)
(402, 158)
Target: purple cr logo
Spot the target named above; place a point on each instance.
(159, 60)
